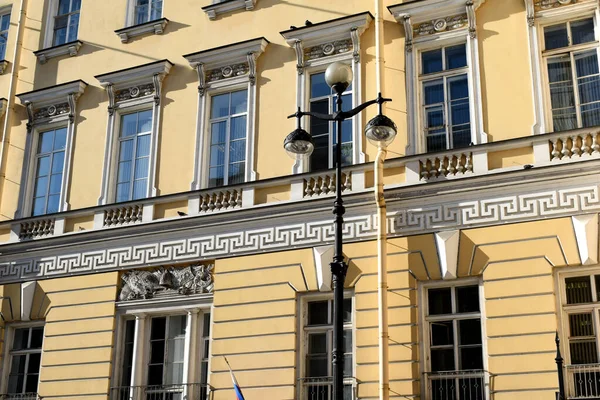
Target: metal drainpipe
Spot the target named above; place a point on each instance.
(382, 289)
(14, 74)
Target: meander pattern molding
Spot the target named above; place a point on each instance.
(489, 211)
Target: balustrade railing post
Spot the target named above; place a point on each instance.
(559, 365)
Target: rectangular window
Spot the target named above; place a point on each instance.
(25, 356)
(134, 156)
(455, 350)
(573, 74)
(228, 120)
(445, 98)
(66, 22)
(4, 25)
(322, 100)
(49, 164)
(163, 377)
(581, 308)
(147, 10)
(318, 339)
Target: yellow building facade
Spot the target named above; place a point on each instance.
(153, 227)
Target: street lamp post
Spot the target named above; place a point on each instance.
(299, 144)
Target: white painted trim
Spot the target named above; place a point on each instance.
(447, 249)
(586, 235)
(154, 74)
(27, 292)
(49, 31)
(222, 7)
(323, 256)
(244, 52)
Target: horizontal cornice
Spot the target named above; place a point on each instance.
(517, 196)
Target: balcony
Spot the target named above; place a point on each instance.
(458, 385)
(187, 391)
(321, 388)
(583, 381)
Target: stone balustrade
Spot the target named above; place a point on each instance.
(324, 184)
(445, 166)
(573, 145)
(124, 215)
(220, 200)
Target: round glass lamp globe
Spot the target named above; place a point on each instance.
(338, 75)
(298, 144)
(381, 130)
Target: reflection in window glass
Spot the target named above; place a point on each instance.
(25, 360)
(134, 156)
(49, 165)
(4, 25)
(147, 10)
(66, 22)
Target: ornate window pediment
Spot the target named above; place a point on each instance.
(434, 30)
(49, 109)
(224, 6)
(231, 67)
(132, 90)
(166, 282)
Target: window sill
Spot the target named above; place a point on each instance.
(71, 48)
(156, 27)
(222, 7)
(3, 65)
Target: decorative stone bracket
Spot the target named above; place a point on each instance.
(156, 27)
(3, 65)
(220, 7)
(71, 49)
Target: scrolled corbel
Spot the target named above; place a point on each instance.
(299, 56)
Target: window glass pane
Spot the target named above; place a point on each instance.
(236, 173)
(75, 5)
(316, 366)
(318, 313)
(60, 36)
(218, 132)
(318, 86)
(239, 102)
(556, 36)
(15, 383)
(237, 151)
(32, 384)
(582, 31)
(34, 363)
(55, 182)
(206, 325)
(216, 175)
(217, 155)
(456, 57)
(139, 189)
(58, 161)
(317, 126)
(319, 159)
(63, 6)
(220, 106)
(73, 27)
(158, 328)
(5, 22)
(141, 168)
(442, 360)
(144, 121)
(238, 128)
(581, 325)
(469, 331)
(459, 87)
(155, 374)
(156, 10)
(43, 166)
(129, 124)
(39, 206)
(432, 61)
(347, 310)
(348, 365)
(579, 289)
(46, 142)
(53, 205)
(433, 92)
(157, 351)
(60, 139)
(442, 333)
(467, 298)
(124, 174)
(317, 343)
(586, 63)
(562, 96)
(347, 341)
(440, 301)
(471, 358)
(21, 339)
(37, 336)
(143, 146)
(41, 187)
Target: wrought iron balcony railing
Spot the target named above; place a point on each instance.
(20, 396)
(583, 381)
(458, 385)
(186, 391)
(321, 388)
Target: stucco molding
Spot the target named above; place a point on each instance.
(156, 27)
(3, 103)
(447, 248)
(210, 241)
(435, 23)
(71, 49)
(27, 293)
(226, 67)
(132, 88)
(48, 108)
(323, 256)
(220, 7)
(318, 45)
(586, 235)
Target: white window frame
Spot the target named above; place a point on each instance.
(446, 75)
(415, 13)
(321, 34)
(130, 14)
(142, 314)
(303, 337)
(537, 20)
(424, 320)
(223, 58)
(570, 50)
(9, 334)
(34, 102)
(131, 80)
(5, 11)
(50, 19)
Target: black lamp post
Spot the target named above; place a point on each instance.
(299, 144)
